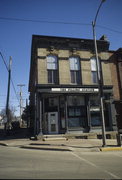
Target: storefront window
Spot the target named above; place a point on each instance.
(95, 110)
(74, 122)
(95, 119)
(76, 111)
(71, 112)
(76, 101)
(62, 112)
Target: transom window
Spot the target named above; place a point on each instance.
(94, 70)
(75, 70)
(52, 69)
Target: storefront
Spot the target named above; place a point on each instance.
(62, 110)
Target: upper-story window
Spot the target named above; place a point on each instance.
(94, 70)
(52, 69)
(75, 70)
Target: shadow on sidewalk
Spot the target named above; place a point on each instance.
(20, 133)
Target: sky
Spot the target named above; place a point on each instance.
(20, 19)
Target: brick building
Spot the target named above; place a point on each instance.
(116, 58)
(63, 85)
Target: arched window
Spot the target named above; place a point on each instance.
(94, 70)
(52, 69)
(75, 70)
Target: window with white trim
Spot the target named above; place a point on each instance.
(52, 69)
(94, 70)
(75, 70)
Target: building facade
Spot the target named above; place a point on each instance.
(63, 85)
(116, 58)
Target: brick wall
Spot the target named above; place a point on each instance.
(42, 71)
(86, 72)
(106, 73)
(64, 72)
(114, 77)
(64, 67)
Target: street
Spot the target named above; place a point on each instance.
(17, 163)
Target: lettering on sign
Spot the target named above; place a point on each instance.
(82, 90)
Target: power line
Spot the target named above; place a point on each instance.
(4, 61)
(43, 21)
(59, 22)
(11, 77)
(110, 29)
(14, 90)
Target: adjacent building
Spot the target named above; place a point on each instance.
(116, 58)
(63, 85)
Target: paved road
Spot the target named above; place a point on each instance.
(20, 163)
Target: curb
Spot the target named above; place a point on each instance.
(111, 149)
(3, 144)
(45, 148)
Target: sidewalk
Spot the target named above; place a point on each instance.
(21, 139)
(83, 145)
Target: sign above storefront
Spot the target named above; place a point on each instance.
(75, 90)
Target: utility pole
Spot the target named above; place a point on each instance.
(21, 106)
(100, 83)
(7, 124)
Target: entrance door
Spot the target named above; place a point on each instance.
(53, 122)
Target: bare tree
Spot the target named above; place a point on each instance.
(11, 112)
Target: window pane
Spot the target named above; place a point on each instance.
(93, 64)
(74, 122)
(71, 112)
(75, 100)
(95, 119)
(94, 77)
(50, 78)
(74, 63)
(75, 77)
(94, 100)
(78, 111)
(72, 77)
(55, 76)
(51, 62)
(78, 77)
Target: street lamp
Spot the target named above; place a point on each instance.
(99, 76)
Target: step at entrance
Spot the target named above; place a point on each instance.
(54, 137)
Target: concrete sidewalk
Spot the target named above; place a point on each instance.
(83, 145)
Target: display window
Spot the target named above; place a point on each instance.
(94, 110)
(76, 111)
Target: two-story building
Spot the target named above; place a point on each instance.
(63, 85)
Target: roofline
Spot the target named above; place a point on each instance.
(62, 37)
